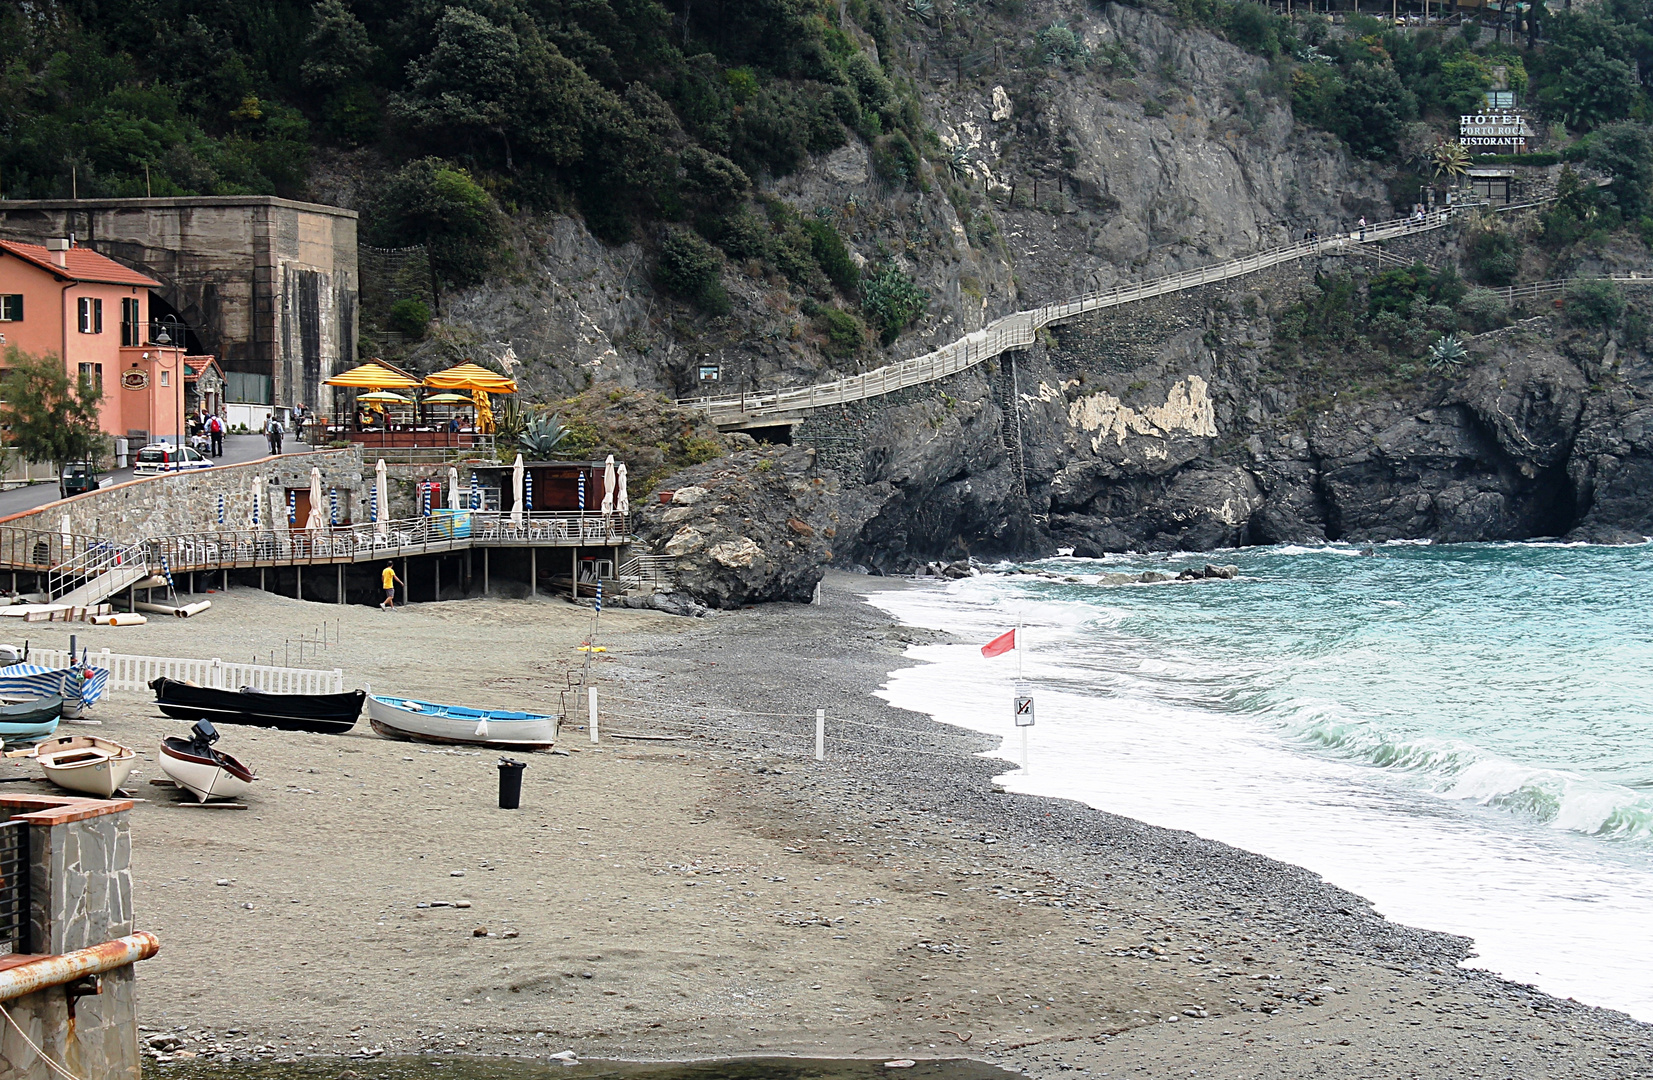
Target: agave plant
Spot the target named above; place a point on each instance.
(1447, 353)
(921, 9)
(1449, 159)
(541, 436)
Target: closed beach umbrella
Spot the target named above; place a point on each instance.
(279, 509)
(608, 485)
(68, 538)
(516, 491)
(315, 521)
(256, 503)
(453, 488)
(381, 501)
(528, 491)
(476, 492)
(622, 501)
(582, 491)
(333, 503)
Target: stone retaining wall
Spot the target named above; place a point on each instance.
(189, 502)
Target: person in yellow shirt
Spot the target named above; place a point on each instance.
(391, 581)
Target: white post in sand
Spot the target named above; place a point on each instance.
(820, 734)
(591, 706)
(1019, 637)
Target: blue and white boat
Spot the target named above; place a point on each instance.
(29, 719)
(79, 685)
(427, 721)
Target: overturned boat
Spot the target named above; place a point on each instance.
(428, 721)
(83, 763)
(202, 771)
(328, 714)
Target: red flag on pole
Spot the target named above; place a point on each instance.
(1000, 645)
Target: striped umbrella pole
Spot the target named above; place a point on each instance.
(476, 492)
(256, 502)
(333, 499)
(220, 509)
(582, 490)
(292, 507)
(424, 500)
(373, 502)
(599, 594)
(528, 490)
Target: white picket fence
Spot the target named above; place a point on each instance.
(136, 672)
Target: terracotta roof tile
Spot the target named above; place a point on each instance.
(84, 264)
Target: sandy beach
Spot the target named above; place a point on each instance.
(721, 893)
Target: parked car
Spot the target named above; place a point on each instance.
(164, 457)
(78, 477)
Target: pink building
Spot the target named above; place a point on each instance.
(91, 311)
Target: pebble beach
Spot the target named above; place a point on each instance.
(695, 885)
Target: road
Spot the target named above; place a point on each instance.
(237, 449)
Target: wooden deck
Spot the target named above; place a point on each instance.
(65, 555)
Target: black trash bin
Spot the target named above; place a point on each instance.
(510, 783)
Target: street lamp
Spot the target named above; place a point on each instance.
(164, 340)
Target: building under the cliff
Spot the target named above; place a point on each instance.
(267, 285)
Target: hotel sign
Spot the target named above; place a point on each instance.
(1494, 131)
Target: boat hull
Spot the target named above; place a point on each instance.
(30, 720)
(456, 725)
(327, 714)
(85, 764)
(216, 777)
(78, 692)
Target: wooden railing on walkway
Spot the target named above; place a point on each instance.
(1017, 331)
(68, 558)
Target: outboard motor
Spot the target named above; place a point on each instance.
(203, 734)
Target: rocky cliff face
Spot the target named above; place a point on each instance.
(1177, 424)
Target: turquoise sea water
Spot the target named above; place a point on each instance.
(1463, 734)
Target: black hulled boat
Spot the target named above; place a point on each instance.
(329, 714)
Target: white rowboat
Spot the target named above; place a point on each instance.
(427, 721)
(83, 763)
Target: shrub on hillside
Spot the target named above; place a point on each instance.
(1593, 303)
(410, 317)
(845, 333)
(438, 204)
(1493, 254)
(1483, 310)
(833, 256)
(891, 301)
(693, 270)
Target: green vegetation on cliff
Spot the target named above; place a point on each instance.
(626, 109)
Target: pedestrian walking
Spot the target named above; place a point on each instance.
(215, 432)
(391, 580)
(1362, 227)
(274, 431)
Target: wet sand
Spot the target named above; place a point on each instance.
(723, 894)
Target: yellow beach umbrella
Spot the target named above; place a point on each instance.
(372, 376)
(384, 396)
(448, 399)
(481, 382)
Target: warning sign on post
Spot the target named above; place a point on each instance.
(1024, 710)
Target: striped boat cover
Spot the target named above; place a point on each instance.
(23, 680)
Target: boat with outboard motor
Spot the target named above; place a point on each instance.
(202, 771)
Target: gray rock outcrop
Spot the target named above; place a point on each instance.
(753, 526)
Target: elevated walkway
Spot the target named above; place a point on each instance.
(81, 565)
(1018, 331)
